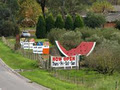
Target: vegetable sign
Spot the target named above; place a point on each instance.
(71, 61)
(39, 47)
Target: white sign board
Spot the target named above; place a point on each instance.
(27, 45)
(64, 61)
(38, 49)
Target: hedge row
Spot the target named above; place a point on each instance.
(45, 25)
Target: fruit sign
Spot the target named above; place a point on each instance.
(64, 61)
(41, 48)
(85, 48)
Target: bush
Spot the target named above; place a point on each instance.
(50, 23)
(106, 58)
(95, 38)
(78, 23)
(59, 23)
(41, 27)
(69, 22)
(88, 32)
(8, 28)
(115, 36)
(94, 20)
(71, 39)
(55, 34)
(118, 25)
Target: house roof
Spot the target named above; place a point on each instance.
(111, 17)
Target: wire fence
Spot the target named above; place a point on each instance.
(43, 60)
(45, 63)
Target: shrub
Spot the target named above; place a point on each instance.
(59, 23)
(107, 32)
(115, 36)
(50, 22)
(69, 22)
(94, 20)
(41, 27)
(55, 34)
(8, 29)
(95, 38)
(71, 39)
(78, 23)
(118, 25)
(106, 58)
(88, 32)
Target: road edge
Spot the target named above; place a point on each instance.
(22, 77)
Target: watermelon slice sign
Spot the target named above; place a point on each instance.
(85, 48)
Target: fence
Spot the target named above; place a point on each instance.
(43, 60)
(45, 63)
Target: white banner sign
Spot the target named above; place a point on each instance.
(64, 61)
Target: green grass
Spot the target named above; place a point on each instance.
(44, 78)
(14, 60)
(91, 80)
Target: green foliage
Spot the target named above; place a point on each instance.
(71, 39)
(8, 12)
(9, 29)
(118, 25)
(55, 34)
(69, 22)
(50, 23)
(78, 23)
(29, 9)
(94, 20)
(4, 12)
(102, 6)
(115, 36)
(95, 38)
(105, 59)
(13, 5)
(59, 23)
(67, 6)
(41, 27)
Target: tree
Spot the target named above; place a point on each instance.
(41, 27)
(101, 6)
(8, 26)
(94, 20)
(50, 23)
(42, 3)
(29, 11)
(118, 25)
(59, 23)
(69, 22)
(66, 6)
(78, 23)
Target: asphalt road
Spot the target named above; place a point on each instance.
(11, 81)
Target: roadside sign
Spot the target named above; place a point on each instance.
(71, 61)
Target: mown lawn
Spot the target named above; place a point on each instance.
(91, 80)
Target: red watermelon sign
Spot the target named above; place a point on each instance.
(85, 48)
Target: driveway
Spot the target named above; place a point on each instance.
(11, 81)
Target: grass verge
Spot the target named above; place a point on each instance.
(14, 60)
(91, 79)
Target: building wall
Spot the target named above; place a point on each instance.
(109, 24)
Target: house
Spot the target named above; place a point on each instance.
(113, 16)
